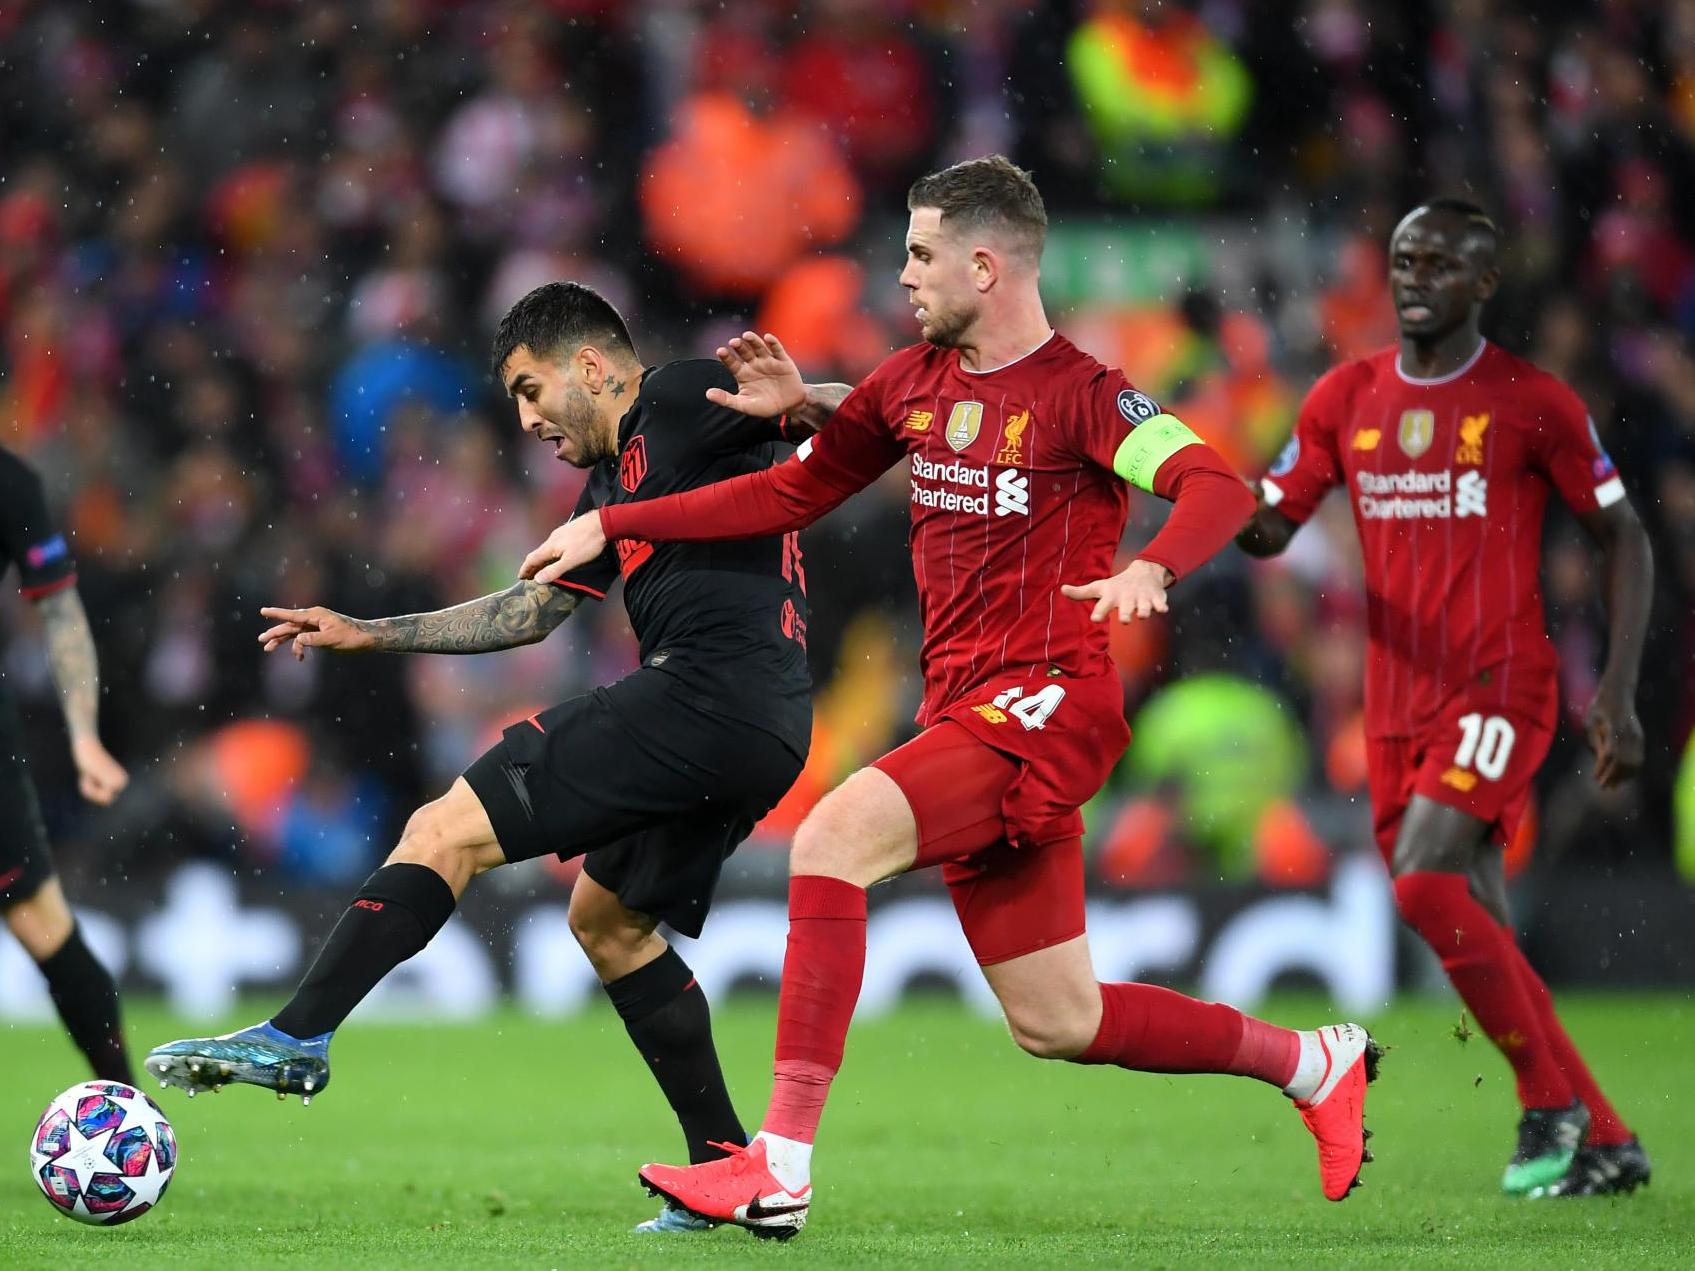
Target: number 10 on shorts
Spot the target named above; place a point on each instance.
(1485, 744)
(1032, 711)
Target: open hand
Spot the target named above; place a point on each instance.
(768, 382)
(1138, 591)
(314, 628)
(577, 542)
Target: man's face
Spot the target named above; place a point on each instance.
(1435, 279)
(939, 279)
(553, 406)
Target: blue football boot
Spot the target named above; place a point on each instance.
(258, 1056)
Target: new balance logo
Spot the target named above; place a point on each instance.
(1471, 495)
(920, 420)
(1012, 493)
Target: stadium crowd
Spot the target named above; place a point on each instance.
(251, 255)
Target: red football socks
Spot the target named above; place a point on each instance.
(1152, 1029)
(1605, 1128)
(1481, 962)
(822, 972)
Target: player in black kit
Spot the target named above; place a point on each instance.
(654, 779)
(31, 899)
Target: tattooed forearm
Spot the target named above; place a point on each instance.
(76, 667)
(821, 402)
(522, 614)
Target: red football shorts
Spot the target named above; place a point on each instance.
(999, 813)
(1481, 761)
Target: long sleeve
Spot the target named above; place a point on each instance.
(1210, 503)
(774, 501)
(854, 449)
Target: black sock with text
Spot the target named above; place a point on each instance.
(397, 913)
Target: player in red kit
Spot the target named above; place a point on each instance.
(1021, 448)
(1449, 448)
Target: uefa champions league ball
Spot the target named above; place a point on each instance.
(103, 1153)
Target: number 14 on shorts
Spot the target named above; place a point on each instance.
(1032, 711)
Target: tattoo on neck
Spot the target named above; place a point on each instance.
(615, 387)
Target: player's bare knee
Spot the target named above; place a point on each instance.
(42, 923)
(616, 940)
(1047, 1037)
(820, 847)
(862, 832)
(1418, 856)
(607, 941)
(428, 839)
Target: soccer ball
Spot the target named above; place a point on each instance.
(103, 1153)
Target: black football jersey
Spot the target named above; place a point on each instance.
(728, 619)
(29, 538)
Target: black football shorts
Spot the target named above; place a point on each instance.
(655, 790)
(25, 862)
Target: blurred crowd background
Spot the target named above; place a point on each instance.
(251, 255)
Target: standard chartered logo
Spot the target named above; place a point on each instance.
(964, 487)
(1411, 496)
(1012, 493)
(1471, 495)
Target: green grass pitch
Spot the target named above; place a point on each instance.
(515, 1142)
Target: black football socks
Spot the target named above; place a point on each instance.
(397, 913)
(667, 1017)
(87, 998)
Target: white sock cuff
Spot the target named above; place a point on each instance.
(789, 1160)
(1309, 1068)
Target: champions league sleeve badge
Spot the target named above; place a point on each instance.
(1287, 459)
(1137, 408)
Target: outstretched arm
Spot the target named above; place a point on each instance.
(522, 614)
(856, 449)
(772, 501)
(76, 672)
(1615, 733)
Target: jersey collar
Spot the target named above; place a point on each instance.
(627, 421)
(1449, 378)
(1046, 340)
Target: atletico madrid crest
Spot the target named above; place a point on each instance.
(1418, 430)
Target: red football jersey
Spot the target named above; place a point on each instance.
(1449, 479)
(1013, 493)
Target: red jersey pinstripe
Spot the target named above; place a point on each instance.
(1449, 480)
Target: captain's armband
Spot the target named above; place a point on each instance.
(1150, 444)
